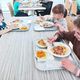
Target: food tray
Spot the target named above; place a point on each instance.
(51, 63)
(39, 28)
(18, 30)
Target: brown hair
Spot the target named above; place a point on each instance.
(77, 22)
(58, 9)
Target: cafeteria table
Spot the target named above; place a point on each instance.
(17, 58)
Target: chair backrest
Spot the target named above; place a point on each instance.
(67, 6)
(10, 9)
(70, 23)
(74, 8)
(71, 7)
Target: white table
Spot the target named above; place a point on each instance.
(17, 62)
(32, 8)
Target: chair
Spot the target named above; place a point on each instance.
(68, 6)
(74, 8)
(70, 23)
(10, 9)
(48, 6)
(71, 7)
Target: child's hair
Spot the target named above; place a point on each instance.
(59, 9)
(77, 22)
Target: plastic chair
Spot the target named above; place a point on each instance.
(74, 8)
(68, 6)
(48, 7)
(70, 23)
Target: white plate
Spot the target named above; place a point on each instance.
(41, 45)
(46, 24)
(67, 53)
(21, 30)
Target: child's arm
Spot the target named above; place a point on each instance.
(62, 35)
(60, 27)
(68, 65)
(5, 31)
(9, 28)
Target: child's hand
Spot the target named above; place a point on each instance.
(51, 40)
(68, 65)
(59, 26)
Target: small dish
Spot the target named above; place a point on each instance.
(23, 28)
(41, 55)
(41, 43)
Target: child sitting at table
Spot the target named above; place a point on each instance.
(17, 12)
(58, 17)
(70, 66)
(73, 36)
(3, 26)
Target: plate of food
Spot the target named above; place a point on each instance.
(41, 55)
(46, 24)
(24, 28)
(41, 43)
(60, 49)
(38, 21)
